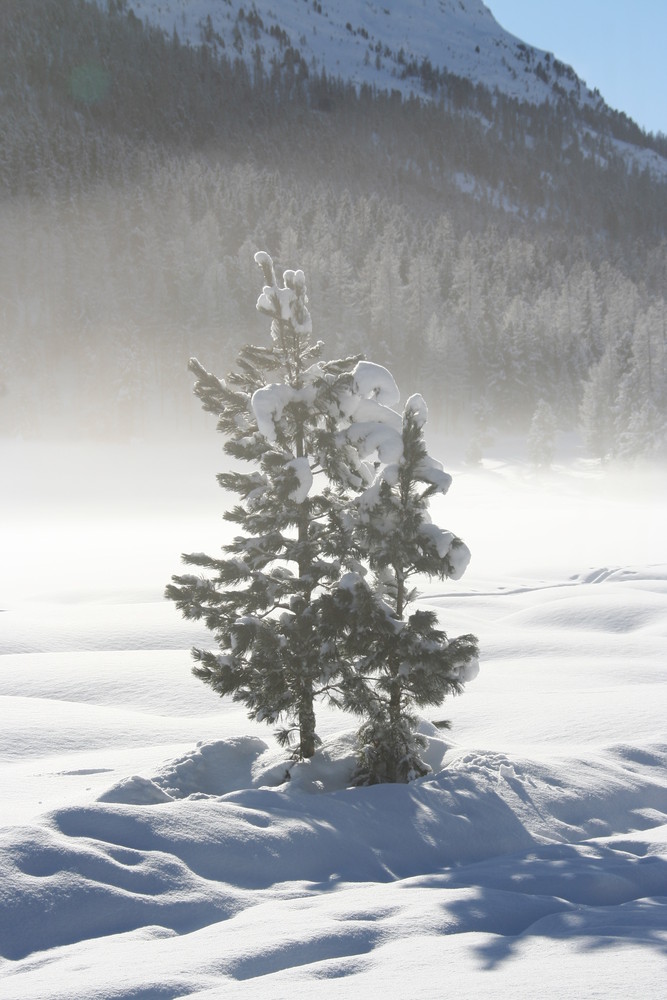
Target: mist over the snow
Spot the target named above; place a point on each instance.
(78, 517)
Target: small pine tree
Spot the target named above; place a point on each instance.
(392, 662)
(340, 485)
(541, 436)
(283, 412)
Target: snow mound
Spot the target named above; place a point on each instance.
(626, 611)
(626, 574)
(216, 768)
(135, 791)
(213, 768)
(508, 826)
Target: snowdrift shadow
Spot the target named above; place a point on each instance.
(105, 869)
(600, 897)
(487, 823)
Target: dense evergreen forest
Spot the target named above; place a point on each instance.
(498, 257)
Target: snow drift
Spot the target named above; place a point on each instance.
(154, 843)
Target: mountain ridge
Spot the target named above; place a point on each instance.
(461, 37)
(378, 43)
(398, 47)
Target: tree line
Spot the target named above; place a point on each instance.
(111, 292)
(496, 252)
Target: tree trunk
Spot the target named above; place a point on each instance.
(307, 723)
(306, 706)
(395, 691)
(394, 729)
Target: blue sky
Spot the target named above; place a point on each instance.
(617, 46)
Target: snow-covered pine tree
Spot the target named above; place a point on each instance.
(284, 411)
(392, 661)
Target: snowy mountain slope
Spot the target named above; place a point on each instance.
(382, 44)
(411, 48)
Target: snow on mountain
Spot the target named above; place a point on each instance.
(382, 44)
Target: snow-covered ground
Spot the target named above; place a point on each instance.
(150, 847)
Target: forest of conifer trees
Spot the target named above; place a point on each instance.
(138, 176)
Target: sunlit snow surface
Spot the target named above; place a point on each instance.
(150, 847)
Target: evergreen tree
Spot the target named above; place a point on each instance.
(392, 661)
(541, 445)
(338, 492)
(601, 411)
(283, 412)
